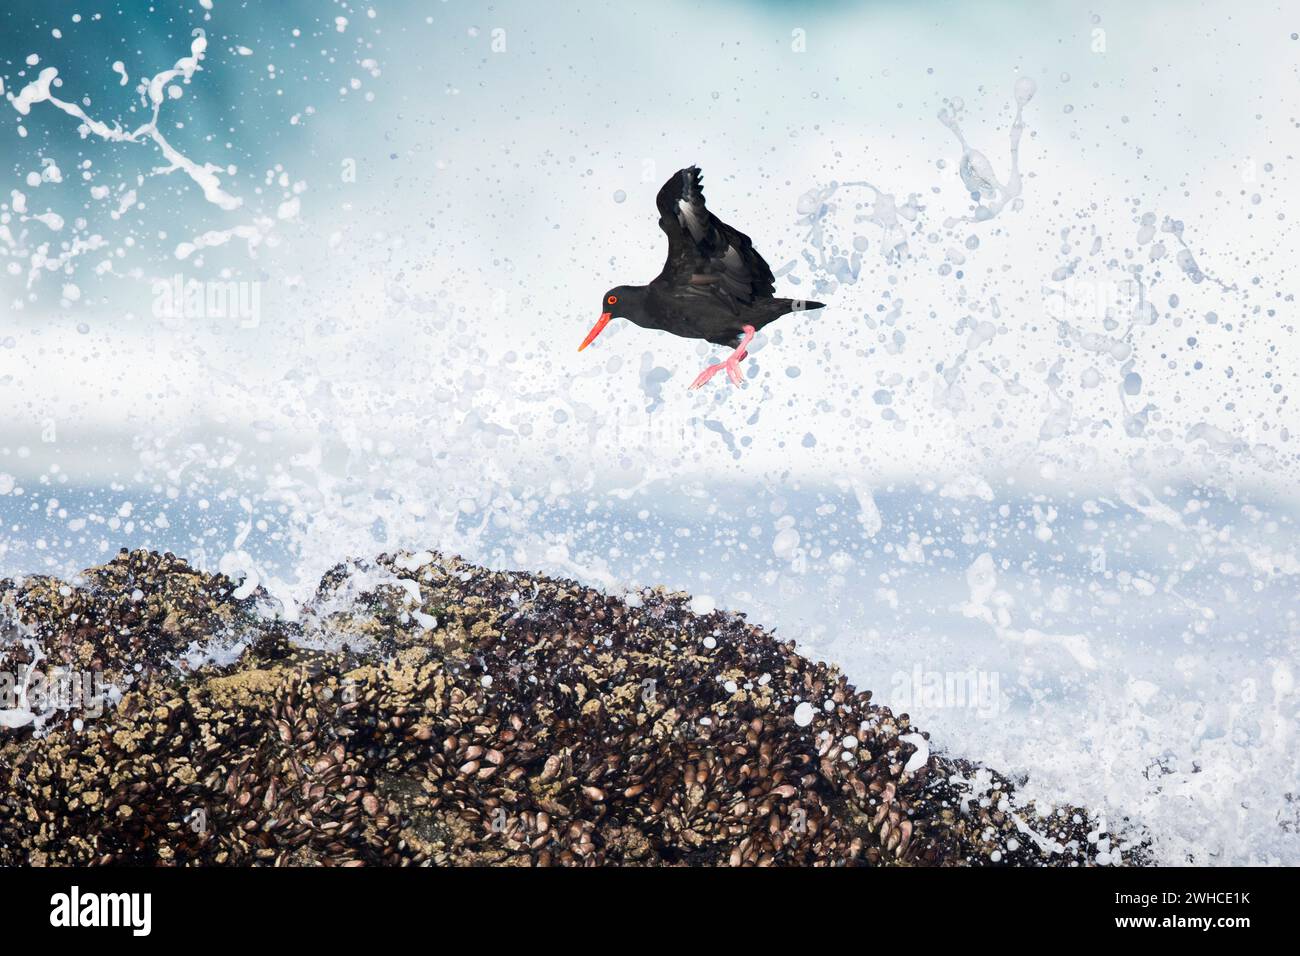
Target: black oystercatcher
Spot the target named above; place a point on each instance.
(714, 285)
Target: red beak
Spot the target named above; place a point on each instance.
(596, 329)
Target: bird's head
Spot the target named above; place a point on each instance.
(612, 306)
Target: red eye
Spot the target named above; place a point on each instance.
(612, 299)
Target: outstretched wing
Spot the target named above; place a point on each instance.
(705, 255)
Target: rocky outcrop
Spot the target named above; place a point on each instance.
(421, 710)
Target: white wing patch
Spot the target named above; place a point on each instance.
(690, 222)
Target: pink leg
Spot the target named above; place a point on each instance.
(731, 363)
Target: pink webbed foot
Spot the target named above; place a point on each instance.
(731, 363)
(707, 374)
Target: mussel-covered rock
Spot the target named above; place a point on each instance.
(421, 710)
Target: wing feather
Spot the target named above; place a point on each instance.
(704, 253)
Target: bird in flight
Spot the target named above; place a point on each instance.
(714, 285)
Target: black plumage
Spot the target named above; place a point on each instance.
(714, 284)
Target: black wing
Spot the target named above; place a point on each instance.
(705, 255)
